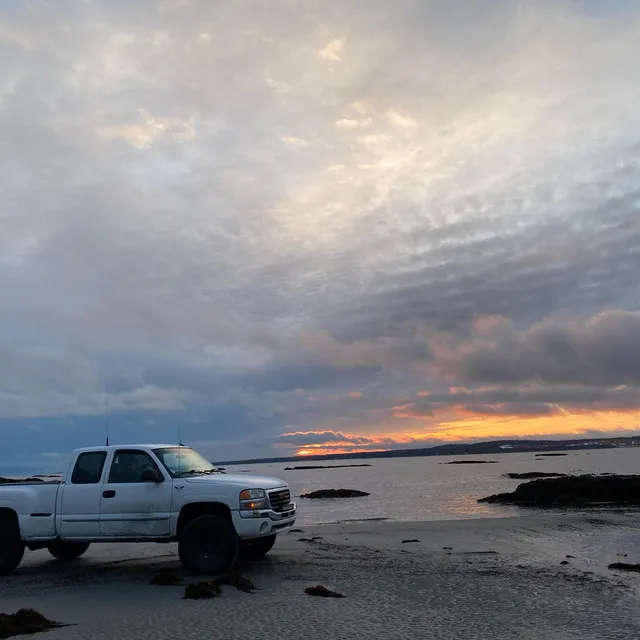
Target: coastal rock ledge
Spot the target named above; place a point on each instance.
(335, 493)
(573, 491)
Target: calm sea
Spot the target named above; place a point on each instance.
(427, 488)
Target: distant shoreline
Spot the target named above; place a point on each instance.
(477, 448)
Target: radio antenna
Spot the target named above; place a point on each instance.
(106, 416)
(180, 443)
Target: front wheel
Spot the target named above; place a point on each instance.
(66, 551)
(11, 546)
(208, 545)
(257, 547)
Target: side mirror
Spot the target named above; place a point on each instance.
(152, 475)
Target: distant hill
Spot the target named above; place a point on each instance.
(490, 446)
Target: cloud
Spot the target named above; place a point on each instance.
(601, 350)
(239, 213)
(333, 50)
(300, 438)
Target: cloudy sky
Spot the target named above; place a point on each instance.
(307, 225)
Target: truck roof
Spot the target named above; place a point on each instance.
(128, 445)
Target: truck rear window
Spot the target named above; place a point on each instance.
(88, 469)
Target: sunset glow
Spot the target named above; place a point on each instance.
(469, 428)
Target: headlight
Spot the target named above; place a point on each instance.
(253, 499)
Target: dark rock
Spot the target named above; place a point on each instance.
(621, 555)
(570, 557)
(202, 591)
(323, 592)
(334, 493)
(24, 622)
(412, 540)
(564, 562)
(447, 548)
(529, 475)
(331, 466)
(165, 580)
(295, 530)
(573, 491)
(623, 566)
(314, 539)
(32, 480)
(550, 455)
(236, 580)
(471, 462)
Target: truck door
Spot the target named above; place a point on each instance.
(78, 510)
(131, 507)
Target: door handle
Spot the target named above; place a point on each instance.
(109, 494)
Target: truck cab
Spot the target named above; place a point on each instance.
(145, 493)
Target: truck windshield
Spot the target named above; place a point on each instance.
(182, 461)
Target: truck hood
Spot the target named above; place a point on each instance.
(243, 481)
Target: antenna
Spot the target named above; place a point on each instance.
(180, 443)
(106, 415)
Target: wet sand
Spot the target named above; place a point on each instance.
(497, 578)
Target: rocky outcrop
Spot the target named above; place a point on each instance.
(236, 580)
(573, 491)
(623, 566)
(202, 591)
(20, 481)
(24, 622)
(323, 592)
(471, 462)
(334, 493)
(530, 475)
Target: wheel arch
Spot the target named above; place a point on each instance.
(8, 515)
(194, 510)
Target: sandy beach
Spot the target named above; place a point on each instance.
(498, 578)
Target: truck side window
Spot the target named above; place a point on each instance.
(127, 466)
(88, 469)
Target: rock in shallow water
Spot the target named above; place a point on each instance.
(530, 475)
(471, 462)
(573, 491)
(623, 566)
(335, 493)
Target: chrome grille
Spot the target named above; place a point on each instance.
(279, 499)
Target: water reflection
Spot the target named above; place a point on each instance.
(427, 489)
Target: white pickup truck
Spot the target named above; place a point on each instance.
(145, 493)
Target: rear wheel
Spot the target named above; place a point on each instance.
(66, 551)
(257, 547)
(11, 545)
(208, 544)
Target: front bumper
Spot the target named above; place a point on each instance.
(262, 522)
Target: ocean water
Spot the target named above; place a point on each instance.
(426, 488)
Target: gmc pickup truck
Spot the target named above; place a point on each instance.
(145, 493)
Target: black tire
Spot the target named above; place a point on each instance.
(11, 545)
(257, 547)
(208, 545)
(66, 551)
